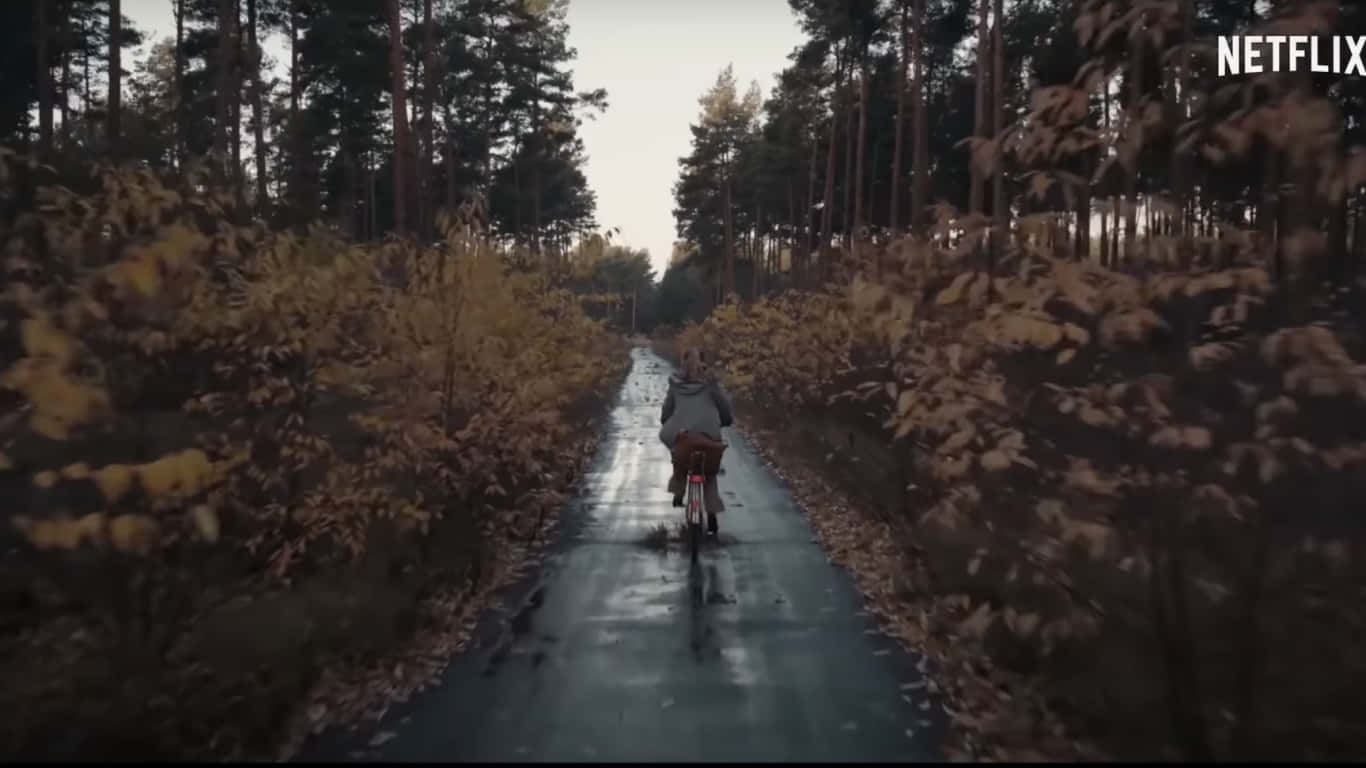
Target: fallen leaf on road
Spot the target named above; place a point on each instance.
(910, 733)
(918, 684)
(666, 703)
(849, 726)
(383, 737)
(882, 652)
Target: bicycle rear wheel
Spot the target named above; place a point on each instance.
(694, 519)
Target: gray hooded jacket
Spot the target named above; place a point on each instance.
(694, 406)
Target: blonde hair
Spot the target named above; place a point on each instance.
(694, 367)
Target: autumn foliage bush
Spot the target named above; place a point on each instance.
(197, 409)
(1109, 462)
(1135, 479)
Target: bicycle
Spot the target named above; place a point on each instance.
(693, 502)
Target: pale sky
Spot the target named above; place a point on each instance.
(655, 58)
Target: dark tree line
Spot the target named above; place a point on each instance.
(875, 122)
(382, 113)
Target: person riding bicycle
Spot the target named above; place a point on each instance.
(695, 409)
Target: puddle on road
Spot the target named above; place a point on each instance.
(521, 623)
(516, 640)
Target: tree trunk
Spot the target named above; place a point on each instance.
(450, 163)
(1180, 179)
(1358, 245)
(809, 216)
(349, 217)
(303, 198)
(921, 150)
(486, 166)
(425, 205)
(871, 202)
(295, 87)
(1104, 238)
(400, 118)
(257, 112)
(860, 157)
(976, 189)
(794, 232)
(223, 104)
(535, 154)
(729, 221)
(1082, 245)
(827, 208)
(40, 45)
(1336, 263)
(851, 118)
(65, 106)
(894, 212)
(1130, 119)
(85, 100)
(1000, 206)
(371, 208)
(180, 130)
(756, 253)
(237, 181)
(115, 72)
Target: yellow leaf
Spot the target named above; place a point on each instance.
(903, 428)
(40, 339)
(1024, 624)
(1095, 536)
(78, 471)
(1066, 355)
(45, 479)
(90, 527)
(954, 292)
(995, 461)
(1196, 437)
(114, 481)
(1167, 437)
(905, 402)
(976, 625)
(49, 534)
(1269, 468)
(205, 522)
(1076, 334)
(134, 534)
(185, 473)
(1094, 416)
(958, 440)
(955, 354)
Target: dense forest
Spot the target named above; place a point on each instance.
(297, 358)
(1078, 324)
(383, 114)
(300, 359)
(1099, 122)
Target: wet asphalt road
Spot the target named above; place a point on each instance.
(617, 651)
